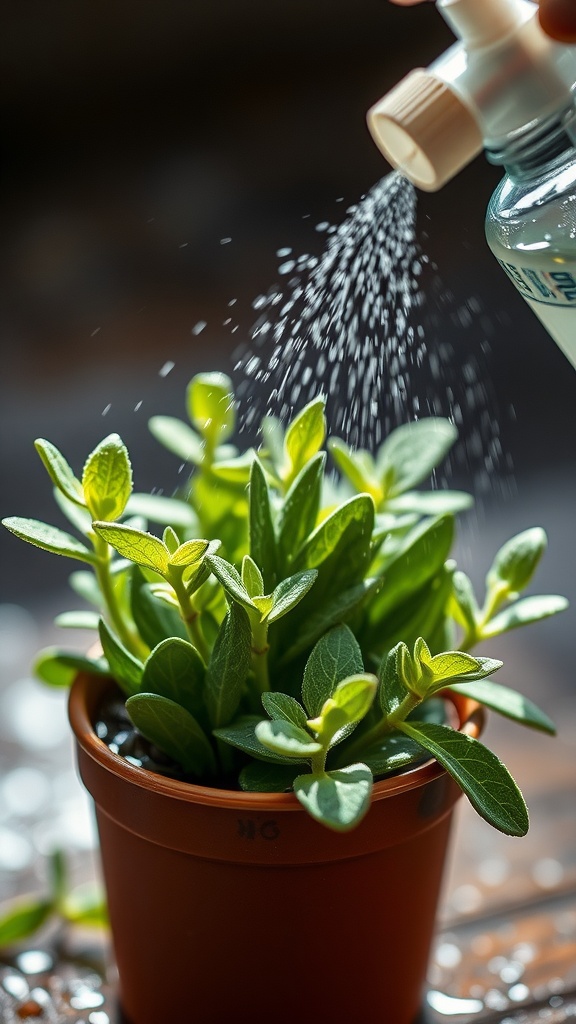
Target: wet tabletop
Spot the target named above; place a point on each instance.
(505, 950)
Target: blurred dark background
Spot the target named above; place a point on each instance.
(136, 137)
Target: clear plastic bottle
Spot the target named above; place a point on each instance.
(507, 88)
(531, 225)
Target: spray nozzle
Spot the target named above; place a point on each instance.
(503, 74)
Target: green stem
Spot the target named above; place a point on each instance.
(386, 725)
(260, 648)
(106, 584)
(190, 617)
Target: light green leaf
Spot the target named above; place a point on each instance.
(77, 515)
(429, 503)
(338, 799)
(141, 548)
(84, 584)
(178, 437)
(465, 607)
(22, 918)
(154, 619)
(284, 738)
(304, 436)
(252, 577)
(210, 405)
(175, 670)
(165, 511)
(522, 613)
(350, 702)
(49, 538)
(189, 553)
(230, 578)
(264, 605)
(60, 472)
(290, 592)
(262, 534)
(107, 479)
(281, 705)
(359, 468)
(174, 730)
(516, 561)
(412, 451)
(125, 668)
(234, 471)
(77, 620)
(299, 510)
(229, 666)
(486, 781)
(336, 656)
(506, 702)
(273, 437)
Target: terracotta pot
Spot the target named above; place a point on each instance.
(238, 906)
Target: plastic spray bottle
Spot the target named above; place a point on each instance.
(509, 89)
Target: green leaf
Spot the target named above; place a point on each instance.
(393, 689)
(77, 620)
(522, 613)
(252, 577)
(340, 548)
(84, 583)
(229, 666)
(393, 753)
(257, 777)
(107, 479)
(154, 619)
(58, 667)
(210, 405)
(262, 535)
(230, 578)
(420, 614)
(141, 548)
(165, 511)
(125, 668)
(284, 738)
(350, 702)
(22, 918)
(290, 592)
(451, 666)
(516, 561)
(242, 735)
(58, 876)
(429, 503)
(305, 436)
(412, 451)
(299, 511)
(338, 799)
(49, 538)
(466, 610)
(336, 656)
(421, 556)
(189, 553)
(358, 467)
(77, 515)
(273, 436)
(333, 612)
(506, 702)
(281, 705)
(175, 670)
(481, 775)
(178, 437)
(60, 472)
(174, 730)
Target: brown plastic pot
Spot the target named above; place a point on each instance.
(238, 906)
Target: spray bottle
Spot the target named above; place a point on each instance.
(509, 89)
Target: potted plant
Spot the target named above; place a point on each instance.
(282, 709)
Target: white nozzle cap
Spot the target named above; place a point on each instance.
(425, 130)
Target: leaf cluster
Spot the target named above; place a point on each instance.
(282, 626)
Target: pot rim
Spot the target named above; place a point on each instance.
(86, 693)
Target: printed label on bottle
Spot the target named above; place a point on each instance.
(548, 287)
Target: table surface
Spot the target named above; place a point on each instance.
(505, 949)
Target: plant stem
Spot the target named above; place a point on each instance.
(260, 648)
(108, 591)
(190, 616)
(386, 725)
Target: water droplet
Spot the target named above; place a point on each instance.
(199, 327)
(166, 368)
(34, 961)
(451, 1006)
(225, 241)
